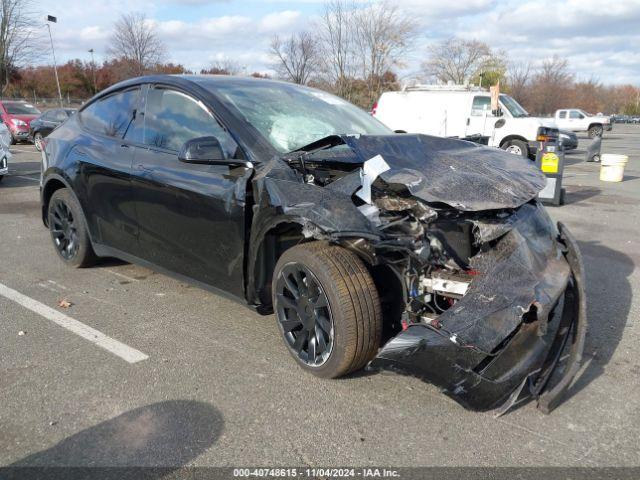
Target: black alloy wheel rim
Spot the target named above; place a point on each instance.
(304, 316)
(64, 231)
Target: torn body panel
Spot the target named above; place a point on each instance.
(487, 290)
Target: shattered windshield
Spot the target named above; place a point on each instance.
(291, 116)
(514, 107)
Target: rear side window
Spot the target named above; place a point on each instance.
(113, 115)
(172, 117)
(480, 104)
(563, 114)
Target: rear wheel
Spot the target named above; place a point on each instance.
(327, 308)
(517, 147)
(594, 131)
(69, 231)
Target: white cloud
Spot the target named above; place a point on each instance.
(598, 38)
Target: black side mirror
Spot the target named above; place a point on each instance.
(202, 150)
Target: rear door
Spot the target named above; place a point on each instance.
(105, 156)
(191, 217)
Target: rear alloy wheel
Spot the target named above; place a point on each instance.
(595, 131)
(68, 230)
(327, 308)
(37, 141)
(517, 147)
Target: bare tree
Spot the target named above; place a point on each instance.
(224, 66)
(336, 34)
(135, 40)
(296, 57)
(383, 36)
(457, 60)
(518, 80)
(551, 86)
(19, 41)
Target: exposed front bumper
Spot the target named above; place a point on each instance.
(524, 357)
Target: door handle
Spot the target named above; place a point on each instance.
(142, 168)
(124, 145)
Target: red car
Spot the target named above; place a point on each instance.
(17, 116)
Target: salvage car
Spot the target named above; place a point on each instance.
(418, 254)
(17, 115)
(43, 125)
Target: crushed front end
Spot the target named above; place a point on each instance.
(490, 292)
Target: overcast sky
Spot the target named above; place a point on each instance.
(601, 38)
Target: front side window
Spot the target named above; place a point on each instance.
(112, 115)
(172, 117)
(574, 114)
(480, 105)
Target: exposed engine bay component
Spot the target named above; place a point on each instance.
(445, 285)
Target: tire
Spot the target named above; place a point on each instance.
(1, 177)
(517, 147)
(13, 140)
(350, 326)
(595, 131)
(37, 141)
(68, 229)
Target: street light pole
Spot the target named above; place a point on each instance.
(93, 72)
(53, 19)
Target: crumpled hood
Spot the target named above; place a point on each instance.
(457, 173)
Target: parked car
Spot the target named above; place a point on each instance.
(43, 125)
(17, 116)
(413, 253)
(577, 120)
(460, 111)
(5, 154)
(567, 140)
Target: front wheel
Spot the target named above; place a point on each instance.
(517, 147)
(37, 141)
(327, 308)
(69, 230)
(595, 131)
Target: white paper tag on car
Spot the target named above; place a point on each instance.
(368, 174)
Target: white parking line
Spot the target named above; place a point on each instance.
(123, 351)
(37, 180)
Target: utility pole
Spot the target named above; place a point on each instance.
(93, 72)
(52, 19)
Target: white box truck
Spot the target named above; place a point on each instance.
(461, 111)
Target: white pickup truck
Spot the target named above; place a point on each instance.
(577, 120)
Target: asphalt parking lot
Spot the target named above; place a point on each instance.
(213, 384)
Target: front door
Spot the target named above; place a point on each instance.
(480, 121)
(191, 217)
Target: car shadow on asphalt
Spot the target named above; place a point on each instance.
(609, 296)
(147, 442)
